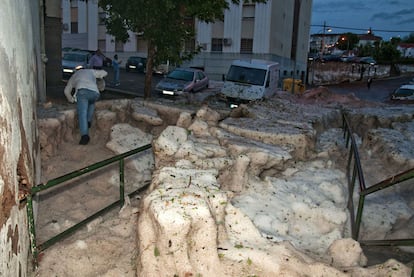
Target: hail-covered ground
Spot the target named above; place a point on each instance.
(260, 190)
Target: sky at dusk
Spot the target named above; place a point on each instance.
(386, 18)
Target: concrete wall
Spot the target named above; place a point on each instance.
(19, 151)
(339, 72)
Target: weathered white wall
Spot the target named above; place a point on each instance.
(19, 151)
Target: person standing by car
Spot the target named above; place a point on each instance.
(115, 65)
(87, 84)
(97, 60)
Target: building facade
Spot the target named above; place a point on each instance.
(406, 50)
(277, 30)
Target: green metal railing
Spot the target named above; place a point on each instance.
(354, 173)
(34, 247)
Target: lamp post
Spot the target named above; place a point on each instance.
(347, 44)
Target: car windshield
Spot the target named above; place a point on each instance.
(252, 76)
(404, 92)
(74, 57)
(136, 59)
(181, 75)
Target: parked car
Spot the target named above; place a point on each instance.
(350, 59)
(405, 92)
(136, 63)
(331, 58)
(183, 80)
(368, 60)
(73, 61)
(107, 61)
(70, 49)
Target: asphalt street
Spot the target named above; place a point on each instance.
(379, 90)
(132, 83)
(132, 86)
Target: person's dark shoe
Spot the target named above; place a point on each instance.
(89, 124)
(84, 140)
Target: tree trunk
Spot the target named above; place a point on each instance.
(148, 74)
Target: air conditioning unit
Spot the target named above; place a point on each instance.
(65, 27)
(226, 41)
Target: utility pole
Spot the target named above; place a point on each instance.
(323, 39)
(325, 28)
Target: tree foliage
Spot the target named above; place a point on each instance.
(164, 24)
(348, 41)
(380, 51)
(386, 51)
(409, 38)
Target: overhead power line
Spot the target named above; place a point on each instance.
(363, 29)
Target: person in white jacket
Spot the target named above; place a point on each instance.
(86, 84)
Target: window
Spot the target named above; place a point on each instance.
(142, 44)
(248, 11)
(246, 45)
(74, 27)
(216, 45)
(200, 76)
(102, 18)
(74, 20)
(247, 28)
(246, 75)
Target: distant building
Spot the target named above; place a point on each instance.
(368, 38)
(277, 30)
(406, 49)
(327, 42)
(323, 42)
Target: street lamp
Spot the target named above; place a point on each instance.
(347, 43)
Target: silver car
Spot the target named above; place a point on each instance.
(405, 92)
(183, 80)
(73, 61)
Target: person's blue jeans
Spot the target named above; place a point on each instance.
(116, 76)
(86, 99)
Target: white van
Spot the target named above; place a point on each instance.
(251, 80)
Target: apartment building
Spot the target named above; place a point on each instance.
(277, 30)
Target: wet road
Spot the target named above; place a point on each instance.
(132, 83)
(132, 86)
(379, 90)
